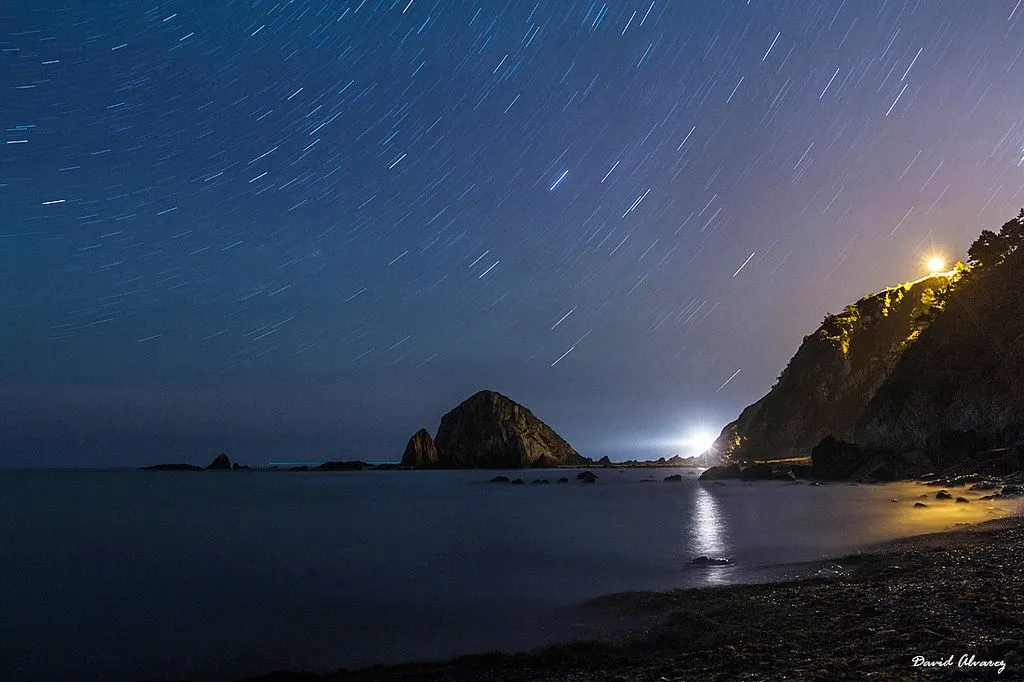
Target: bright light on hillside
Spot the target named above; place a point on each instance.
(936, 264)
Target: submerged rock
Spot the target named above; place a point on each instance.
(710, 561)
(500, 479)
(584, 475)
(920, 504)
(674, 478)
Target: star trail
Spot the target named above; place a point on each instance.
(306, 229)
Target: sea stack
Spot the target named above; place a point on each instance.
(219, 463)
(491, 431)
(420, 451)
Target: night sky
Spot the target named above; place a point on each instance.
(302, 230)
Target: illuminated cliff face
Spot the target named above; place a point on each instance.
(835, 373)
(961, 377)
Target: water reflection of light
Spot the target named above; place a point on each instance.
(708, 531)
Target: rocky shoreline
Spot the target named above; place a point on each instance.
(954, 599)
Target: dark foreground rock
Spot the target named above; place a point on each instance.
(951, 594)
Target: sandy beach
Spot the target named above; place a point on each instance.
(942, 606)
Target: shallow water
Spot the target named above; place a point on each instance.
(129, 575)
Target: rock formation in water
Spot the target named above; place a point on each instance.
(219, 463)
(171, 467)
(420, 451)
(489, 430)
(919, 376)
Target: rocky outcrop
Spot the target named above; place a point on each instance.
(921, 377)
(420, 451)
(344, 465)
(833, 376)
(489, 430)
(219, 463)
(958, 391)
(171, 467)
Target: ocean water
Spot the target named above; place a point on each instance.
(124, 575)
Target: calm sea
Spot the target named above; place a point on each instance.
(124, 575)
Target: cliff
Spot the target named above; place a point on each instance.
(918, 376)
(959, 387)
(489, 430)
(834, 375)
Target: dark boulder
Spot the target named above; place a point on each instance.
(833, 459)
(920, 504)
(710, 561)
(717, 473)
(562, 480)
(943, 495)
(674, 478)
(587, 477)
(500, 479)
(757, 472)
(517, 481)
(962, 500)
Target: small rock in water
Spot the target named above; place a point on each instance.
(943, 495)
(817, 483)
(584, 475)
(563, 480)
(962, 500)
(920, 504)
(894, 500)
(517, 481)
(674, 478)
(710, 561)
(500, 479)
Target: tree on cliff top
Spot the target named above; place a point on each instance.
(991, 249)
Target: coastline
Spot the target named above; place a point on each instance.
(941, 597)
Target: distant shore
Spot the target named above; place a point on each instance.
(940, 606)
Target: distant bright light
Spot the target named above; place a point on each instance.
(936, 264)
(699, 441)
